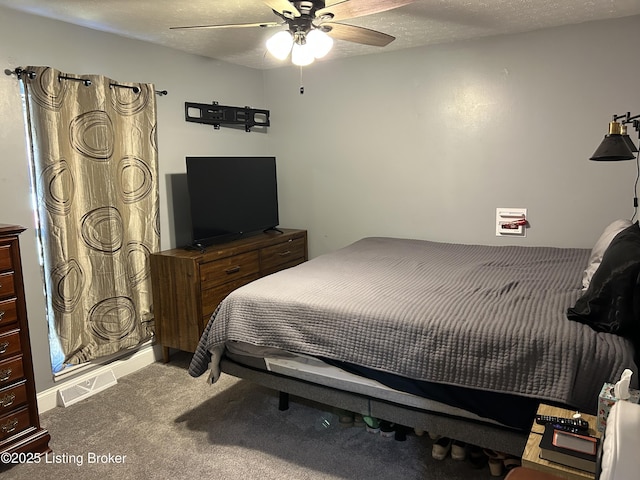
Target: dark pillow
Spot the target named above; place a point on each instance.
(612, 301)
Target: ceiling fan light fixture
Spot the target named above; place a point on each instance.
(279, 45)
(302, 17)
(320, 43)
(302, 54)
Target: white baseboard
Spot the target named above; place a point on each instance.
(48, 399)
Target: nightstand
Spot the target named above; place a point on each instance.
(531, 456)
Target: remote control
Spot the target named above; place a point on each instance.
(577, 423)
(567, 428)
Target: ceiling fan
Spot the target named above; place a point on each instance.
(312, 25)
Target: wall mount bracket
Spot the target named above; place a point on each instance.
(224, 115)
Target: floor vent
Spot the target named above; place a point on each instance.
(86, 388)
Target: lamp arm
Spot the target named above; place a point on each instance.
(627, 118)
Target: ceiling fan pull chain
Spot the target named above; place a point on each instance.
(301, 83)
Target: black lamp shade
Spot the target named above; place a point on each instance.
(627, 138)
(630, 144)
(613, 148)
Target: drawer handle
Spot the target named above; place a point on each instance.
(5, 374)
(231, 270)
(10, 426)
(284, 254)
(7, 400)
(3, 347)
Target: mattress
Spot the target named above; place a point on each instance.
(481, 317)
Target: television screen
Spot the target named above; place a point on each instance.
(231, 197)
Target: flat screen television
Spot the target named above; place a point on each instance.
(231, 197)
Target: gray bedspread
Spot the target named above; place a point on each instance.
(485, 317)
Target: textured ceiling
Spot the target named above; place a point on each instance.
(421, 23)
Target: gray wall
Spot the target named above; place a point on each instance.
(423, 143)
(426, 143)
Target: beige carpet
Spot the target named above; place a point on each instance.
(159, 423)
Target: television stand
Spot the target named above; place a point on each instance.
(188, 285)
(197, 247)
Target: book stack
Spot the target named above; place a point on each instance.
(569, 449)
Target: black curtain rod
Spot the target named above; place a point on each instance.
(19, 72)
(136, 89)
(85, 81)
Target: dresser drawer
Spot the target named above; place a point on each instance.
(9, 343)
(213, 296)
(275, 256)
(228, 269)
(14, 423)
(5, 258)
(11, 370)
(13, 397)
(8, 312)
(7, 288)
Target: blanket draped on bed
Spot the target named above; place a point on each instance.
(484, 317)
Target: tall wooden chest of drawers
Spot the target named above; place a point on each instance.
(188, 284)
(20, 429)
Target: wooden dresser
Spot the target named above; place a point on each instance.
(19, 421)
(188, 284)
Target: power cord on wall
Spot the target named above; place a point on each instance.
(635, 188)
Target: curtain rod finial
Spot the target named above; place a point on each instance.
(19, 71)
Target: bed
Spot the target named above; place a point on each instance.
(461, 340)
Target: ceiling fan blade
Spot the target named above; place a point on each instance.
(284, 7)
(351, 33)
(359, 8)
(230, 25)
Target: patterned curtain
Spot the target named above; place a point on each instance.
(95, 176)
